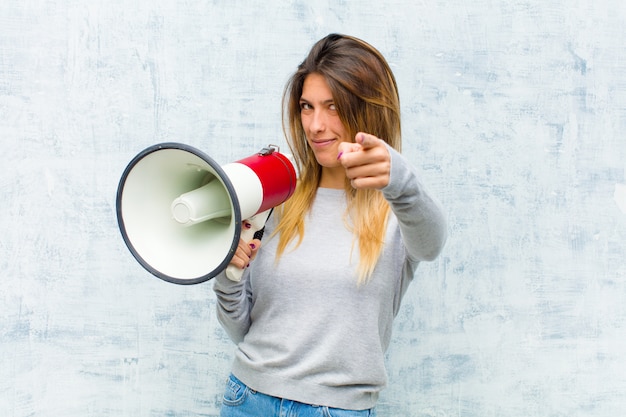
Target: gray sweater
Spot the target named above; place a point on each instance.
(304, 329)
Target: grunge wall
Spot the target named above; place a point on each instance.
(513, 111)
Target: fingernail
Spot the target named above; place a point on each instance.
(252, 246)
(340, 153)
(247, 225)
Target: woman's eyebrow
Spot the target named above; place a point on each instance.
(329, 101)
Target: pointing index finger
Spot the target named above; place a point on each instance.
(366, 141)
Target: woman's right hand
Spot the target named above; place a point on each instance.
(249, 244)
(245, 253)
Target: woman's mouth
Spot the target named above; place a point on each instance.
(320, 143)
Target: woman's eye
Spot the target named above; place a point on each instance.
(305, 106)
(332, 107)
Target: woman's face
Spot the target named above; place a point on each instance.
(322, 126)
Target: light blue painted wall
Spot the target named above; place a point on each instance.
(514, 111)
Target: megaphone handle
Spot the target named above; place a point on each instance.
(257, 223)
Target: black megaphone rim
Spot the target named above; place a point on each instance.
(231, 192)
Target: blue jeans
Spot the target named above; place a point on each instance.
(241, 401)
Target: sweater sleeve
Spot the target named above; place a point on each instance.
(422, 220)
(234, 303)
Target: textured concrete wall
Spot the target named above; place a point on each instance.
(514, 111)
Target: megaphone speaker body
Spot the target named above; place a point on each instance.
(180, 212)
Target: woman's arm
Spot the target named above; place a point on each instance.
(421, 217)
(371, 163)
(234, 302)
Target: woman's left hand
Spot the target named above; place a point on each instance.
(367, 162)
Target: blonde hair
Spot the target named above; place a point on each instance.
(366, 96)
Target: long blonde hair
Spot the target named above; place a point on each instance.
(366, 96)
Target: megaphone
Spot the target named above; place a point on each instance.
(180, 213)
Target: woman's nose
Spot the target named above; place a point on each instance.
(318, 121)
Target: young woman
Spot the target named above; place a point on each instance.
(312, 316)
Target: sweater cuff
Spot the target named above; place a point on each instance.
(401, 178)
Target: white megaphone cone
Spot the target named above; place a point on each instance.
(180, 213)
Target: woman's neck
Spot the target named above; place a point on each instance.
(333, 178)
